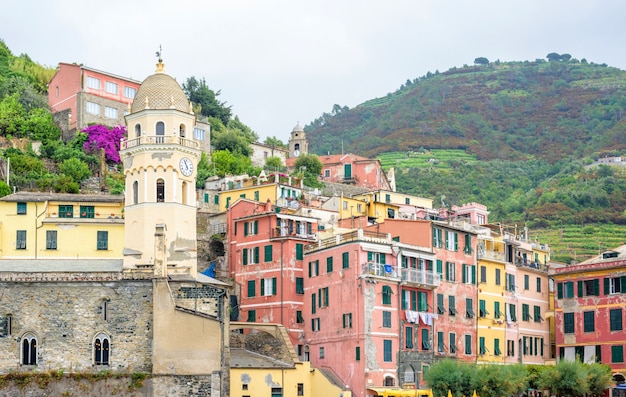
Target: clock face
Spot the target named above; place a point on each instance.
(296, 152)
(186, 166)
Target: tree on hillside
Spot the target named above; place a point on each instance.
(274, 142)
(311, 168)
(553, 57)
(234, 141)
(481, 61)
(199, 93)
(236, 124)
(102, 137)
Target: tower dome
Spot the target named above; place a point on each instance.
(160, 91)
(298, 128)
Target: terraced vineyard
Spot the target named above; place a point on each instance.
(572, 243)
(437, 158)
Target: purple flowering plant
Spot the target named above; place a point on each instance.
(102, 137)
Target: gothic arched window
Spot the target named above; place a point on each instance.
(29, 349)
(160, 190)
(101, 349)
(137, 130)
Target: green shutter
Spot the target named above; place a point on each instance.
(206, 197)
(245, 256)
(358, 353)
(319, 297)
(456, 241)
(268, 253)
(274, 286)
(262, 287)
(310, 269)
(382, 258)
(464, 278)
(256, 227)
(607, 288)
(326, 296)
(434, 237)
(251, 288)
(559, 288)
(313, 302)
(245, 228)
(345, 258)
(580, 289)
(299, 285)
(369, 256)
(413, 300)
(596, 287)
(496, 309)
(299, 255)
(439, 266)
(623, 284)
(216, 199)
(473, 274)
(329, 264)
(256, 254)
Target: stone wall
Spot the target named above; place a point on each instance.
(65, 317)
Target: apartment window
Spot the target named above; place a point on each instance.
(496, 347)
(498, 275)
(615, 318)
(452, 342)
(510, 282)
(526, 282)
(300, 389)
(440, 342)
(468, 245)
(299, 251)
(425, 339)
(387, 198)
(376, 257)
(29, 349)
(469, 308)
(589, 321)
(357, 353)
(347, 320)
(51, 239)
(496, 310)
(299, 317)
(277, 392)
(437, 237)
(468, 344)
(267, 253)
(441, 309)
(469, 274)
(20, 240)
(251, 288)
(617, 354)
(569, 289)
(408, 337)
(314, 268)
(450, 271)
(251, 316)
(345, 260)
(250, 256)
(482, 308)
(483, 274)
(66, 211)
(537, 314)
(268, 286)
(452, 241)
(102, 241)
(315, 324)
(538, 284)
(510, 348)
(322, 352)
(21, 208)
(101, 349)
(481, 345)
(160, 191)
(93, 108)
(299, 285)
(130, 92)
(451, 305)
(568, 323)
(110, 113)
(386, 319)
(93, 82)
(387, 357)
(329, 264)
(323, 297)
(512, 313)
(615, 285)
(251, 228)
(87, 211)
(110, 87)
(526, 312)
(386, 295)
(589, 288)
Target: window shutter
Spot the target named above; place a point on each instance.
(245, 256)
(326, 296)
(274, 286)
(580, 289)
(596, 287)
(256, 254)
(607, 288)
(439, 266)
(262, 287)
(310, 268)
(473, 274)
(456, 241)
(268, 253)
(299, 255)
(623, 284)
(251, 288)
(382, 258)
(369, 256)
(346, 260)
(245, 228)
(434, 237)
(313, 302)
(413, 300)
(559, 288)
(464, 277)
(319, 298)
(256, 227)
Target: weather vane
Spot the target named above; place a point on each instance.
(158, 54)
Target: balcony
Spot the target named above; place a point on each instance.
(489, 254)
(521, 262)
(379, 269)
(158, 140)
(420, 277)
(357, 235)
(284, 233)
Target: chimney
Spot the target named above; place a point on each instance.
(268, 205)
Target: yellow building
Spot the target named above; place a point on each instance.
(61, 226)
(492, 321)
(275, 371)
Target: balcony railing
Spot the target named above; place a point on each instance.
(532, 265)
(417, 276)
(488, 254)
(158, 140)
(357, 235)
(280, 232)
(379, 269)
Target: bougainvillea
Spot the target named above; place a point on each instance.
(101, 137)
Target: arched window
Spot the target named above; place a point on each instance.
(184, 186)
(181, 130)
(296, 146)
(160, 190)
(135, 192)
(101, 349)
(29, 349)
(160, 132)
(137, 130)
(389, 381)
(409, 374)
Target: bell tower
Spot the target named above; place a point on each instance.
(297, 142)
(160, 158)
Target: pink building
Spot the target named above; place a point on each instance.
(266, 256)
(79, 96)
(457, 294)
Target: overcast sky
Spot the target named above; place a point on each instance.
(280, 62)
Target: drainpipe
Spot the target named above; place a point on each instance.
(38, 227)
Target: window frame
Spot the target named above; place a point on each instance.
(51, 239)
(102, 240)
(100, 358)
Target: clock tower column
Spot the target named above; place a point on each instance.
(160, 160)
(297, 142)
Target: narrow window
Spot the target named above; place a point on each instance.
(105, 309)
(137, 130)
(20, 240)
(103, 240)
(181, 130)
(101, 350)
(135, 192)
(51, 239)
(160, 191)
(29, 349)
(160, 132)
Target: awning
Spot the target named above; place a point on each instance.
(388, 392)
